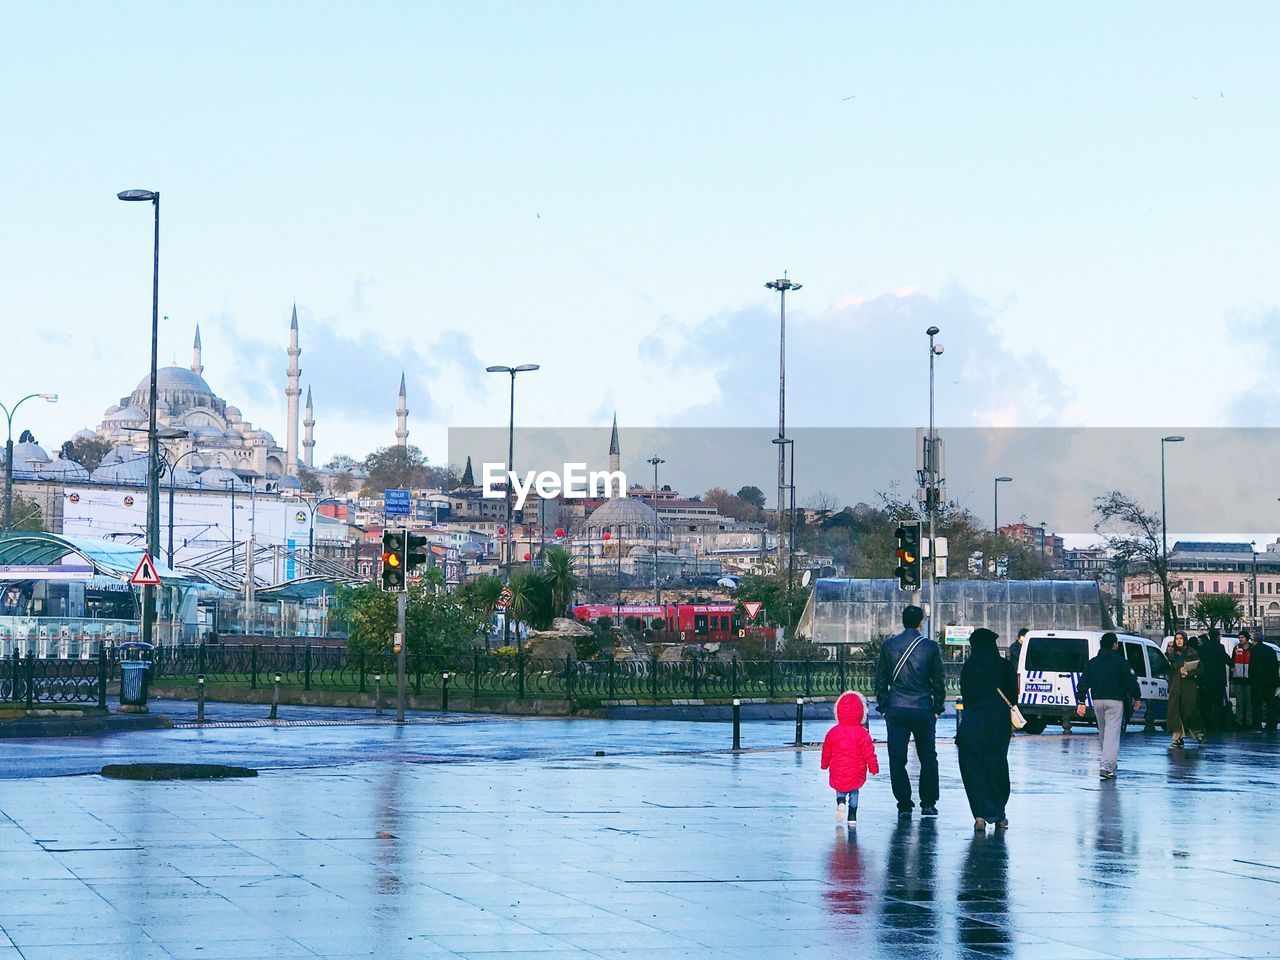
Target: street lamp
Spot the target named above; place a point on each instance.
(311, 530)
(995, 510)
(511, 452)
(1164, 534)
(655, 461)
(782, 286)
(8, 452)
(931, 467)
(1253, 613)
(153, 451)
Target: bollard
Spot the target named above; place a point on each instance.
(275, 698)
(737, 724)
(799, 721)
(200, 699)
(959, 713)
(444, 693)
(377, 694)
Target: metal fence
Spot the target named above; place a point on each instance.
(42, 681)
(482, 675)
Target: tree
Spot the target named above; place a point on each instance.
(394, 467)
(752, 495)
(309, 479)
(560, 569)
(530, 597)
(484, 591)
(468, 478)
(342, 462)
(344, 482)
(782, 607)
(435, 623)
(86, 451)
(27, 514)
(1135, 537)
(730, 505)
(1218, 610)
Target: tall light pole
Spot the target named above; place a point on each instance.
(311, 529)
(995, 507)
(931, 497)
(153, 444)
(8, 452)
(782, 286)
(511, 452)
(655, 461)
(1253, 613)
(1164, 536)
(791, 514)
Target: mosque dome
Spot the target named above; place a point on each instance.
(84, 435)
(231, 433)
(128, 414)
(114, 408)
(218, 478)
(122, 453)
(234, 414)
(28, 458)
(123, 471)
(62, 469)
(624, 517)
(175, 378)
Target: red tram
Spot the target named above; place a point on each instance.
(692, 622)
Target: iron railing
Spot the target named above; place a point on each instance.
(489, 675)
(44, 681)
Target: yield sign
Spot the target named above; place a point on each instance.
(145, 575)
(752, 607)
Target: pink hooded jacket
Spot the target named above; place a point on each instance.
(848, 751)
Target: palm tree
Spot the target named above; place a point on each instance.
(484, 591)
(530, 597)
(559, 567)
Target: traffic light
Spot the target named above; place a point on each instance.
(908, 554)
(416, 552)
(393, 560)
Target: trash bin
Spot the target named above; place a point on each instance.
(135, 674)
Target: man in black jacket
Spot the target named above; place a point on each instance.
(911, 692)
(1211, 679)
(1113, 684)
(1264, 676)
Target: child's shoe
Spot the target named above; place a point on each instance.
(841, 811)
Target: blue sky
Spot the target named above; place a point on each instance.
(1082, 197)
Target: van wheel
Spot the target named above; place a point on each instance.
(1035, 726)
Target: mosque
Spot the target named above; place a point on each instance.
(207, 440)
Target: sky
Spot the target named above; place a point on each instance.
(1081, 197)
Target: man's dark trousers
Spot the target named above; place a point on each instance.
(921, 725)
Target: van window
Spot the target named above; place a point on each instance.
(1133, 653)
(1159, 665)
(1057, 654)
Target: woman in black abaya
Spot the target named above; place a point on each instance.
(983, 738)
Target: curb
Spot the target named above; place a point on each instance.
(35, 727)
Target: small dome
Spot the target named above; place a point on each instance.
(233, 413)
(114, 408)
(290, 483)
(27, 457)
(61, 469)
(232, 433)
(84, 435)
(122, 453)
(182, 477)
(207, 433)
(128, 415)
(624, 511)
(217, 478)
(123, 471)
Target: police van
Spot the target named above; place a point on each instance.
(1052, 661)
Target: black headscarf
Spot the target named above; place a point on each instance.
(985, 671)
(983, 641)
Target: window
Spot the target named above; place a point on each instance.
(1215, 586)
(1201, 590)
(1057, 654)
(1159, 665)
(1133, 653)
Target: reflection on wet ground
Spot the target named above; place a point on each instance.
(527, 845)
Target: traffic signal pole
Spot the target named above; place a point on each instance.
(401, 602)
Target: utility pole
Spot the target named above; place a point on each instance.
(401, 642)
(656, 461)
(782, 286)
(931, 496)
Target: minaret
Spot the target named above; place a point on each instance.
(615, 452)
(402, 416)
(197, 361)
(309, 437)
(292, 391)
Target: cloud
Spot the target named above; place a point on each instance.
(863, 363)
(1258, 345)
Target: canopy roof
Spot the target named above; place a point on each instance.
(107, 557)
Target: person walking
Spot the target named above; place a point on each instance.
(1264, 675)
(849, 753)
(1113, 685)
(911, 693)
(1184, 698)
(1015, 649)
(1211, 679)
(1240, 680)
(989, 687)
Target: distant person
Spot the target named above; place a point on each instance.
(989, 686)
(1113, 685)
(1184, 697)
(1211, 680)
(1264, 675)
(1240, 680)
(849, 753)
(1015, 649)
(911, 692)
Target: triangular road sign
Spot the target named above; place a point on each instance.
(752, 607)
(145, 575)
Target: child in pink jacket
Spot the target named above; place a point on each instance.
(847, 751)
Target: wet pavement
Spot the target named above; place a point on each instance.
(527, 845)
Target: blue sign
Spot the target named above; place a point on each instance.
(395, 503)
